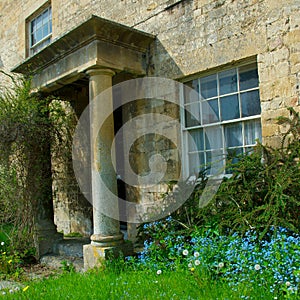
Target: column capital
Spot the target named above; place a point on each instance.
(100, 71)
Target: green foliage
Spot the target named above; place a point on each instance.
(30, 123)
(10, 262)
(262, 191)
(67, 266)
(140, 284)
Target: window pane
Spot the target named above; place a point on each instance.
(39, 34)
(228, 82)
(196, 163)
(190, 96)
(252, 132)
(33, 39)
(230, 107)
(214, 162)
(45, 15)
(39, 21)
(192, 115)
(208, 87)
(250, 103)
(33, 25)
(233, 135)
(248, 77)
(45, 30)
(196, 141)
(213, 138)
(210, 111)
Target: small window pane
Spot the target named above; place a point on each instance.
(213, 138)
(191, 96)
(45, 30)
(228, 82)
(214, 162)
(252, 132)
(210, 111)
(250, 103)
(233, 135)
(33, 39)
(192, 114)
(45, 15)
(248, 77)
(208, 87)
(33, 25)
(196, 141)
(39, 34)
(230, 107)
(196, 163)
(39, 21)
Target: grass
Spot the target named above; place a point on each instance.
(129, 284)
(5, 229)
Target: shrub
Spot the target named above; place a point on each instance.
(29, 123)
(262, 191)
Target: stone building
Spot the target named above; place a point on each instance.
(242, 57)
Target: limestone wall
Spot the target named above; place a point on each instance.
(193, 37)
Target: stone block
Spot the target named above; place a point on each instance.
(94, 256)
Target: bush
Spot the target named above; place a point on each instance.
(262, 191)
(29, 124)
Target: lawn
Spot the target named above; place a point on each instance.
(136, 285)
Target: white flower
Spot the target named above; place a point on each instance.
(288, 283)
(2, 243)
(257, 267)
(190, 265)
(196, 254)
(11, 291)
(221, 265)
(158, 272)
(197, 262)
(3, 293)
(185, 252)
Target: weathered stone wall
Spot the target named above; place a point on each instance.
(193, 37)
(72, 212)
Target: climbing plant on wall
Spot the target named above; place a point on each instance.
(29, 124)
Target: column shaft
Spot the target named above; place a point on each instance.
(106, 230)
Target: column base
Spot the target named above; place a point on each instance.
(93, 256)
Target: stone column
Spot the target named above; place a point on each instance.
(107, 235)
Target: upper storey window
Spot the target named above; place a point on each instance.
(40, 30)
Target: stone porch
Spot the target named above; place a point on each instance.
(93, 55)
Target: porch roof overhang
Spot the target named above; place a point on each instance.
(96, 42)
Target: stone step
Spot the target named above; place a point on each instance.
(72, 247)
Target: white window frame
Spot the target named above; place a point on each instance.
(221, 124)
(45, 40)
